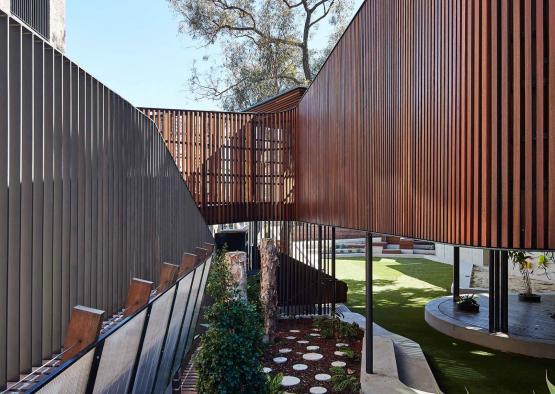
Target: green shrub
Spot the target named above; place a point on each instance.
(228, 360)
(333, 327)
(343, 382)
(273, 385)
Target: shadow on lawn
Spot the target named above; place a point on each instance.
(457, 365)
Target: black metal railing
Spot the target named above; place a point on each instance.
(34, 13)
(90, 198)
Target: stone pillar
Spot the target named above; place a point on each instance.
(268, 286)
(237, 263)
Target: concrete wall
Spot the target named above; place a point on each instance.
(5, 6)
(478, 257)
(58, 24)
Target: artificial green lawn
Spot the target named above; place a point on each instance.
(401, 289)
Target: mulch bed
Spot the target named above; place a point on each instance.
(327, 349)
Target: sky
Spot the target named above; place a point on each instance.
(134, 48)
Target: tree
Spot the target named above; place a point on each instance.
(267, 45)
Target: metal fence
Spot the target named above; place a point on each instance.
(143, 352)
(89, 198)
(35, 13)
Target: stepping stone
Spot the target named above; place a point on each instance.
(280, 360)
(322, 377)
(342, 345)
(266, 370)
(314, 334)
(303, 342)
(318, 390)
(313, 348)
(294, 331)
(290, 338)
(315, 329)
(285, 350)
(289, 381)
(339, 364)
(312, 356)
(338, 353)
(300, 367)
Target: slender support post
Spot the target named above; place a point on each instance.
(504, 277)
(456, 273)
(333, 271)
(369, 307)
(319, 288)
(498, 292)
(492, 295)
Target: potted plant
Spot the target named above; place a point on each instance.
(527, 268)
(468, 303)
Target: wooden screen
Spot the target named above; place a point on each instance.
(435, 120)
(238, 166)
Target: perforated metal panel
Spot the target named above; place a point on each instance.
(196, 310)
(153, 341)
(73, 380)
(118, 357)
(178, 312)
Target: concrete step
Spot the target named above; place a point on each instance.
(424, 251)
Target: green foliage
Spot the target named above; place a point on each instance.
(334, 327)
(219, 283)
(230, 351)
(350, 353)
(253, 292)
(273, 386)
(467, 299)
(550, 386)
(344, 382)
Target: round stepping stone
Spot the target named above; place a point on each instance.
(303, 342)
(315, 329)
(342, 345)
(290, 338)
(300, 367)
(280, 360)
(289, 381)
(285, 350)
(266, 370)
(313, 348)
(294, 331)
(338, 353)
(339, 364)
(318, 390)
(322, 377)
(312, 334)
(312, 356)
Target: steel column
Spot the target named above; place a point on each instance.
(369, 307)
(456, 273)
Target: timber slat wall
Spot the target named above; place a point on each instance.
(239, 166)
(89, 198)
(435, 120)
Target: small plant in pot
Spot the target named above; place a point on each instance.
(527, 268)
(468, 303)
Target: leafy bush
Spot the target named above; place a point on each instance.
(350, 354)
(334, 327)
(230, 351)
(468, 299)
(274, 384)
(253, 292)
(344, 382)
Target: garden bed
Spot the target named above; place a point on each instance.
(290, 332)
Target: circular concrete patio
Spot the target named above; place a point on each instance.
(531, 328)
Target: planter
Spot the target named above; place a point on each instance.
(529, 297)
(470, 308)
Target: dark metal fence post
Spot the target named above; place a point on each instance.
(319, 288)
(456, 273)
(504, 296)
(333, 271)
(492, 295)
(369, 307)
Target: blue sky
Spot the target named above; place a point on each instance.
(133, 47)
